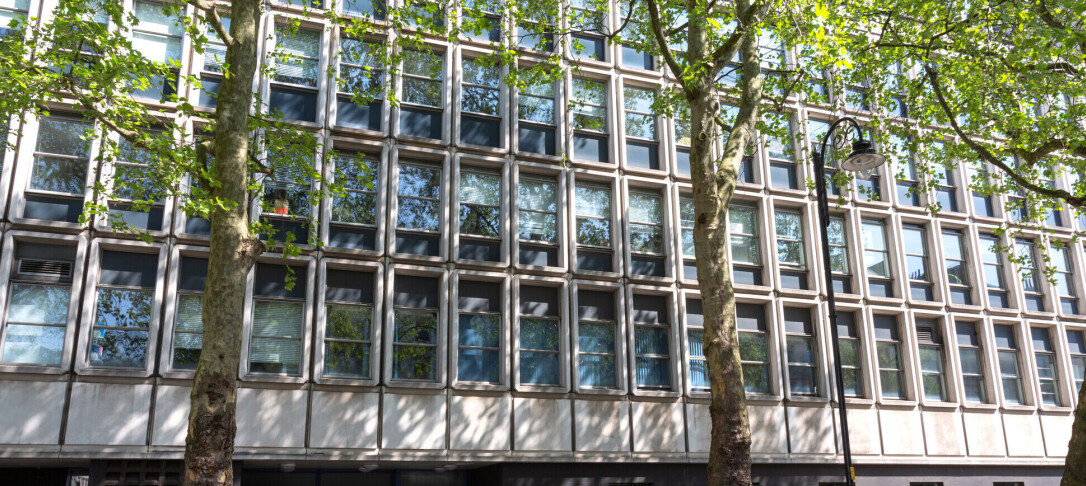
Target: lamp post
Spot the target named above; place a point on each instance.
(862, 159)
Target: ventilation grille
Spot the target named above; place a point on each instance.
(45, 268)
(926, 335)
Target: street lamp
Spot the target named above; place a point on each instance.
(863, 159)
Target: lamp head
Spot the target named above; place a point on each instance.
(863, 159)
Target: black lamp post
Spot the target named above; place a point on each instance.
(862, 159)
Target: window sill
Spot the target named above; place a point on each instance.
(541, 269)
(798, 293)
(1039, 314)
(359, 131)
(56, 225)
(592, 164)
(541, 389)
(758, 289)
(866, 203)
(1056, 409)
(763, 399)
(660, 173)
(418, 385)
(597, 274)
(179, 374)
(656, 393)
(932, 304)
(939, 405)
(987, 219)
(472, 386)
(488, 264)
(259, 378)
(788, 192)
(750, 187)
(589, 62)
(650, 279)
(886, 300)
(905, 208)
(485, 149)
(789, 398)
(1018, 408)
(411, 257)
(340, 381)
(86, 370)
(351, 251)
(1006, 311)
(599, 391)
(846, 297)
(966, 308)
(439, 142)
(990, 407)
(33, 368)
(865, 402)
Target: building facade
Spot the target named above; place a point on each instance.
(508, 295)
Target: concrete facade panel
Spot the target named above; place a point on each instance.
(810, 430)
(984, 434)
(32, 412)
(271, 418)
(344, 420)
(479, 423)
(108, 414)
(413, 421)
(529, 413)
(1024, 438)
(171, 415)
(699, 425)
(1057, 432)
(658, 427)
(602, 425)
(901, 432)
(943, 433)
(767, 431)
(863, 430)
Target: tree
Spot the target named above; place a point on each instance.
(996, 86)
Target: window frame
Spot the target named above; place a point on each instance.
(320, 87)
(379, 154)
(965, 244)
(396, 118)
(617, 249)
(558, 115)
(440, 374)
(320, 324)
(1009, 288)
(1076, 384)
(906, 363)
(89, 310)
(418, 156)
(990, 370)
(789, 160)
(107, 171)
(463, 55)
(177, 252)
(1068, 254)
(24, 165)
(493, 166)
(638, 185)
(891, 258)
(947, 360)
(759, 208)
(309, 263)
(7, 265)
(1057, 352)
(674, 372)
(185, 52)
(564, 333)
(1041, 290)
(621, 372)
(803, 268)
(1022, 361)
(311, 223)
(818, 340)
(605, 134)
(848, 236)
(928, 253)
(335, 94)
(658, 129)
(681, 193)
(528, 169)
(503, 281)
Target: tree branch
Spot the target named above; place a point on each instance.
(212, 13)
(661, 39)
(724, 52)
(625, 22)
(988, 156)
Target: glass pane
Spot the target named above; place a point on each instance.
(651, 340)
(424, 92)
(157, 48)
(58, 175)
(538, 227)
(800, 350)
(536, 109)
(353, 322)
(653, 372)
(752, 347)
(286, 199)
(538, 195)
(476, 188)
(755, 378)
(189, 313)
(874, 237)
(587, 91)
(418, 181)
(41, 345)
(39, 304)
(479, 330)
(645, 208)
(475, 99)
(850, 379)
(839, 260)
(357, 173)
(539, 334)
(594, 201)
(63, 137)
(931, 359)
(745, 250)
(802, 380)
(479, 365)
(742, 220)
(418, 214)
(186, 350)
(1046, 367)
(272, 355)
(641, 126)
(480, 220)
(892, 386)
(596, 337)
(118, 348)
(277, 318)
(699, 375)
(972, 362)
(414, 362)
(346, 359)
(353, 79)
(539, 368)
(123, 308)
(478, 72)
(975, 389)
(415, 327)
(877, 264)
(645, 238)
(596, 371)
(355, 207)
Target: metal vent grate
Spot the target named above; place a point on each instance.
(45, 268)
(926, 335)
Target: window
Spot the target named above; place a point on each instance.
(1065, 277)
(1076, 343)
(848, 342)
(295, 83)
(972, 358)
(125, 309)
(375, 9)
(535, 33)
(782, 165)
(415, 317)
(771, 52)
(856, 95)
(746, 254)
(275, 346)
(354, 212)
(908, 185)
(790, 250)
(816, 131)
(957, 267)
(932, 370)
(633, 55)
(916, 261)
(537, 126)
(480, 215)
(588, 27)
(686, 237)
(746, 165)
(38, 301)
(418, 213)
(1009, 371)
(751, 328)
(1053, 215)
(642, 148)
(895, 81)
(590, 120)
(1048, 374)
(133, 185)
(479, 332)
(157, 36)
(1030, 275)
(993, 271)
(286, 202)
(652, 341)
(540, 335)
(801, 352)
(695, 346)
(188, 325)
(888, 349)
(593, 210)
(537, 220)
(597, 366)
(348, 323)
(877, 259)
(980, 178)
(681, 125)
(58, 177)
(839, 261)
(422, 97)
(480, 103)
(10, 12)
(360, 74)
(946, 182)
(646, 234)
(211, 73)
(482, 20)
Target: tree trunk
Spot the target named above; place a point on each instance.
(714, 185)
(1074, 472)
(209, 447)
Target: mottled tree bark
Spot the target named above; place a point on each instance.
(714, 184)
(209, 446)
(1074, 472)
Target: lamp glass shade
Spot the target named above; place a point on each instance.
(863, 157)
